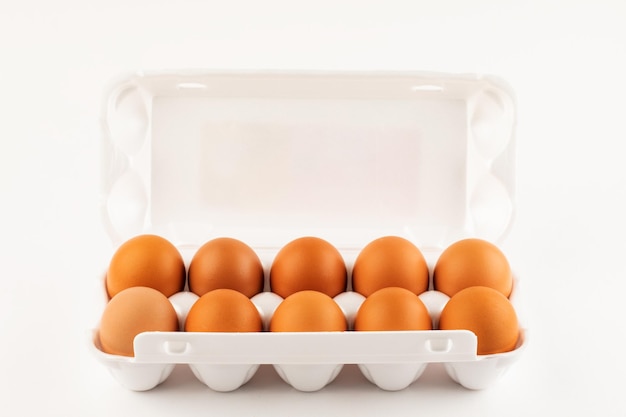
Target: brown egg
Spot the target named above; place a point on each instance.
(146, 261)
(308, 263)
(392, 308)
(472, 262)
(226, 263)
(223, 310)
(487, 313)
(133, 311)
(390, 261)
(308, 311)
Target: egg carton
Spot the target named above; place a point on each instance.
(308, 361)
(266, 157)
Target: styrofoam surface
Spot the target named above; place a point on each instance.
(268, 157)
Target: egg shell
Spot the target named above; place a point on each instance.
(308, 311)
(146, 261)
(472, 262)
(226, 263)
(485, 312)
(223, 310)
(308, 263)
(133, 311)
(392, 308)
(390, 261)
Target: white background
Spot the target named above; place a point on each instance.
(566, 61)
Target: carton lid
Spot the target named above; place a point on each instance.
(268, 157)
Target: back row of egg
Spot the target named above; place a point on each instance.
(307, 263)
(389, 273)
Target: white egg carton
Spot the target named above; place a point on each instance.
(306, 361)
(268, 157)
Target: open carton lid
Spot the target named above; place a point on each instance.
(268, 157)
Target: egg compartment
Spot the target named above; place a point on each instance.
(308, 361)
(266, 157)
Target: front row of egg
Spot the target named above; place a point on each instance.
(390, 272)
